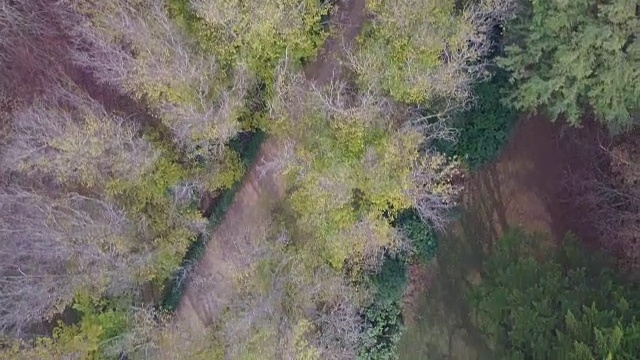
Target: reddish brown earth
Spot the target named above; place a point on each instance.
(528, 185)
(532, 185)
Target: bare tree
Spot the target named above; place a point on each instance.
(51, 247)
(609, 190)
(283, 299)
(338, 326)
(138, 48)
(278, 164)
(70, 136)
(436, 189)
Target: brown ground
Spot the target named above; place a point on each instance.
(249, 215)
(527, 186)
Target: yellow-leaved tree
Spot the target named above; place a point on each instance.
(353, 166)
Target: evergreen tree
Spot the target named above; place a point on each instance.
(572, 56)
(565, 306)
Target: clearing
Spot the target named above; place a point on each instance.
(524, 187)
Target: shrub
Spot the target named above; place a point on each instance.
(422, 237)
(383, 317)
(390, 281)
(383, 329)
(484, 128)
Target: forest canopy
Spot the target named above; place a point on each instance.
(210, 179)
(572, 57)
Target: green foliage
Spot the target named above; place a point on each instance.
(573, 56)
(383, 317)
(423, 238)
(247, 146)
(348, 169)
(339, 193)
(383, 321)
(400, 51)
(484, 128)
(184, 16)
(256, 33)
(101, 321)
(168, 228)
(565, 305)
(389, 283)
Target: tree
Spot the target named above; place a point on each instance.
(352, 164)
(53, 246)
(69, 136)
(608, 190)
(570, 57)
(563, 305)
(421, 52)
(260, 33)
(136, 47)
(421, 236)
(287, 307)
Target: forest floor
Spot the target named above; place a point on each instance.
(250, 212)
(526, 187)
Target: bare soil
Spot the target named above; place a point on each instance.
(527, 186)
(250, 213)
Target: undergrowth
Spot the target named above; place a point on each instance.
(483, 129)
(383, 319)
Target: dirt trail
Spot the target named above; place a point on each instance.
(249, 215)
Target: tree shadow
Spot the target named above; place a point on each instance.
(444, 326)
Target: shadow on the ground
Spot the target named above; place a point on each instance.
(523, 188)
(442, 326)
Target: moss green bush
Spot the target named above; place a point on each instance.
(422, 236)
(566, 304)
(383, 321)
(483, 129)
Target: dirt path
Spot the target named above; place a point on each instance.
(249, 215)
